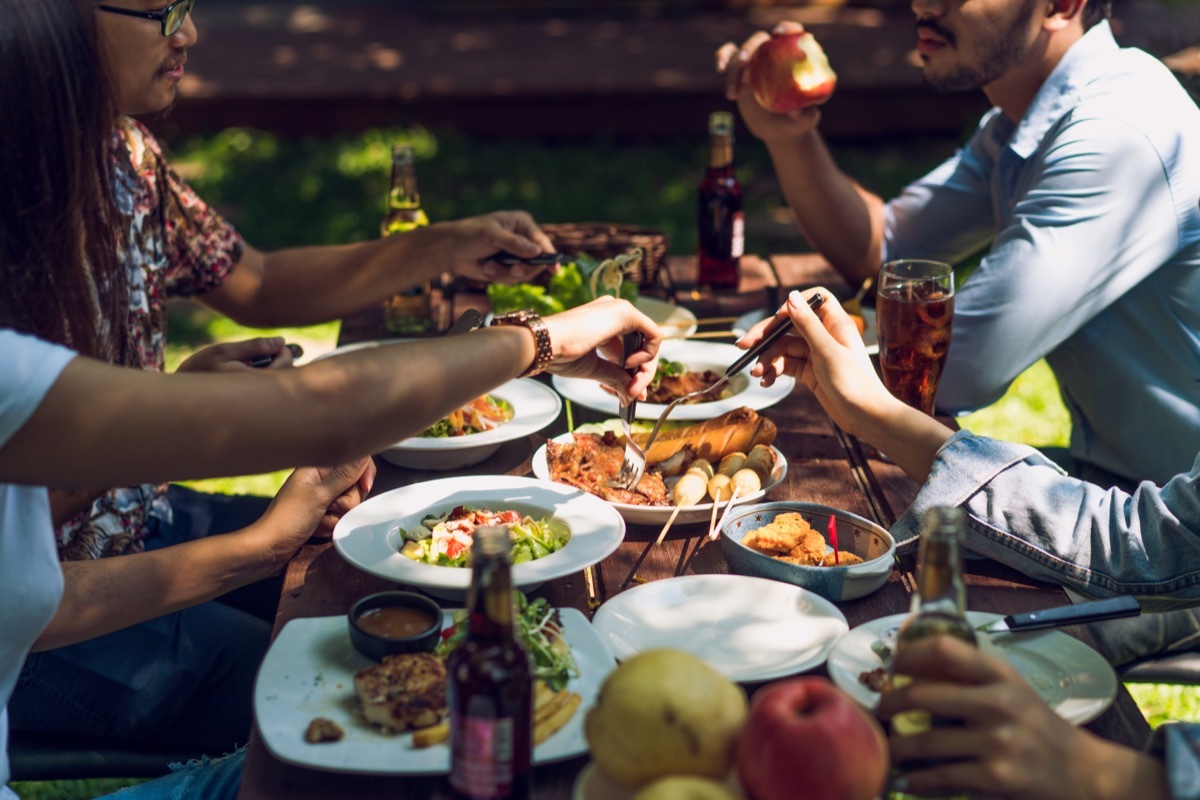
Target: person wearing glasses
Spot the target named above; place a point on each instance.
(166, 242)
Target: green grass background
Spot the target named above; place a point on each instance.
(292, 192)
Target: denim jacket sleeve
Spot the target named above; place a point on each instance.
(1026, 513)
(1178, 744)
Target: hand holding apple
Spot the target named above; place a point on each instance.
(806, 738)
(790, 71)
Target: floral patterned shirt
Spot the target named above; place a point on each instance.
(176, 246)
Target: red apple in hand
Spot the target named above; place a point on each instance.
(807, 738)
(790, 71)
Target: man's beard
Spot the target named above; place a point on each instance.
(1005, 50)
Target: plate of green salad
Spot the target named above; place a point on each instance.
(421, 535)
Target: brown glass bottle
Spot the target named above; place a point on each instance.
(938, 607)
(410, 312)
(491, 684)
(721, 219)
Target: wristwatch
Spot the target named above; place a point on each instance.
(541, 337)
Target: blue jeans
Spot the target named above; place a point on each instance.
(184, 680)
(210, 779)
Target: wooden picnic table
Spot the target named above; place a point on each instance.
(826, 466)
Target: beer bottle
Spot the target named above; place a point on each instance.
(938, 607)
(491, 684)
(410, 312)
(721, 220)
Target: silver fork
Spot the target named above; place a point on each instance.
(744, 361)
(634, 462)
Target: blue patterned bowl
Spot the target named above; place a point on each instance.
(855, 534)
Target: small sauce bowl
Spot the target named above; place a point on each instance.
(387, 623)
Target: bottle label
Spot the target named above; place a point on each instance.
(739, 235)
(481, 765)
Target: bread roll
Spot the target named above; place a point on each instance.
(737, 430)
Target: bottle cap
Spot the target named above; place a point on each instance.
(720, 123)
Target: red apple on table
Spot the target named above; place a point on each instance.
(790, 71)
(807, 738)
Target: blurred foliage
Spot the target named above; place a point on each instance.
(284, 192)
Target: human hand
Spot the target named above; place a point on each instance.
(1010, 743)
(825, 351)
(733, 63)
(474, 239)
(235, 356)
(309, 504)
(587, 344)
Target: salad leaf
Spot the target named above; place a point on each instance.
(566, 288)
(539, 629)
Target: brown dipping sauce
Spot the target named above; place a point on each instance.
(395, 622)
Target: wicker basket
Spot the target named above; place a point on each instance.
(606, 239)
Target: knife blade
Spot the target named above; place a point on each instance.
(1090, 611)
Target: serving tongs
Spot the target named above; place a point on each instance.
(633, 465)
(748, 358)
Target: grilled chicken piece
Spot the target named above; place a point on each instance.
(592, 461)
(670, 387)
(404, 691)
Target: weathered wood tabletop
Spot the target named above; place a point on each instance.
(826, 466)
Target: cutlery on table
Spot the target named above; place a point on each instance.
(634, 462)
(1070, 614)
(1090, 611)
(541, 259)
(746, 359)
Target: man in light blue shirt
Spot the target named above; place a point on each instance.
(1082, 183)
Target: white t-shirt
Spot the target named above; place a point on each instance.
(31, 582)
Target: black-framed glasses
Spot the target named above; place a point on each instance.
(171, 18)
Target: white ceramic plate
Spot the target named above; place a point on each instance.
(696, 356)
(1071, 677)
(309, 672)
(748, 629)
(368, 537)
(658, 515)
(751, 318)
(534, 405)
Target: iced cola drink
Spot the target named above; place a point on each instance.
(914, 310)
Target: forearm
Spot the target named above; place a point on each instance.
(107, 594)
(839, 218)
(1106, 771)
(309, 285)
(194, 426)
(910, 438)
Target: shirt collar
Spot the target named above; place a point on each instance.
(1060, 91)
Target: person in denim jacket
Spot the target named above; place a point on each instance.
(1025, 512)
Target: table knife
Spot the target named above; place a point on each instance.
(1091, 611)
(471, 319)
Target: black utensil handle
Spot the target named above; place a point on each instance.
(542, 259)
(769, 339)
(468, 321)
(259, 362)
(630, 344)
(1091, 611)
